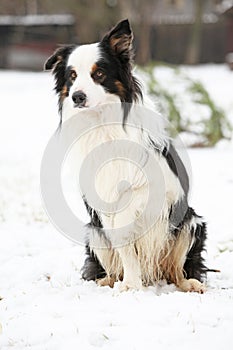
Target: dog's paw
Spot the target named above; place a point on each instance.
(125, 285)
(106, 281)
(192, 285)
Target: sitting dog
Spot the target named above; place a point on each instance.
(97, 79)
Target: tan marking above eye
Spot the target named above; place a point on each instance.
(94, 68)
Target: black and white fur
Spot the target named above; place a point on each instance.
(100, 74)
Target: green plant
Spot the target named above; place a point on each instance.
(166, 101)
(211, 129)
(217, 126)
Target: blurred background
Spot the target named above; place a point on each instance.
(184, 57)
(173, 31)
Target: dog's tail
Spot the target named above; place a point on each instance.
(212, 270)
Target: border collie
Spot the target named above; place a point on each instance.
(92, 76)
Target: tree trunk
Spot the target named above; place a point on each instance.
(194, 46)
(143, 55)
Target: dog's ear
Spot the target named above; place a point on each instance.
(59, 56)
(120, 39)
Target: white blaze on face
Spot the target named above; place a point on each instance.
(82, 60)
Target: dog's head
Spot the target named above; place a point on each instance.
(94, 74)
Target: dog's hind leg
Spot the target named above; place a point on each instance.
(194, 266)
(191, 285)
(185, 265)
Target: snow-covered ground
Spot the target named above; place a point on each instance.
(45, 304)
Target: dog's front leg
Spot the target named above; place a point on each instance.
(131, 268)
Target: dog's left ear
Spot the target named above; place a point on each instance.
(120, 39)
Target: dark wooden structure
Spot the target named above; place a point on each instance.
(26, 41)
(169, 41)
(228, 17)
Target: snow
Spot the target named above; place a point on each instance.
(45, 304)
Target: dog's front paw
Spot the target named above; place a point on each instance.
(127, 285)
(192, 285)
(106, 281)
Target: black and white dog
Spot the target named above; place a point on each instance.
(100, 76)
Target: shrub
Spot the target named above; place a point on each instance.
(187, 105)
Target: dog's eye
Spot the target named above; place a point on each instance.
(73, 74)
(98, 75)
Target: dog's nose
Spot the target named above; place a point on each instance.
(79, 98)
